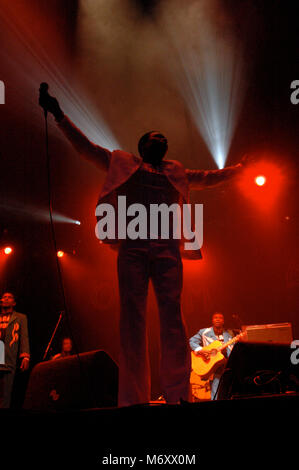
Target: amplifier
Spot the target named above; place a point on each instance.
(272, 333)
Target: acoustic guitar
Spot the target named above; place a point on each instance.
(204, 367)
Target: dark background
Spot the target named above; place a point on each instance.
(250, 264)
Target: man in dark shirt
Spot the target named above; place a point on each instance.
(14, 334)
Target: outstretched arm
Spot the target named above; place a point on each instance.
(200, 179)
(87, 149)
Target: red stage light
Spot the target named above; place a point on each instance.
(7, 250)
(260, 180)
(60, 253)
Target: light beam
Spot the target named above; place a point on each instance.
(32, 64)
(209, 75)
(37, 213)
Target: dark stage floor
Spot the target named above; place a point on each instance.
(256, 431)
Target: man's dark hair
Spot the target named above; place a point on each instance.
(217, 313)
(143, 140)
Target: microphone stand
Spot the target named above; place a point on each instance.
(52, 337)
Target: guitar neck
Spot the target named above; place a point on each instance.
(231, 341)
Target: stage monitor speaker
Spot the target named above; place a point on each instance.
(258, 369)
(272, 333)
(86, 380)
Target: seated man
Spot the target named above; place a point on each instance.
(206, 336)
(66, 349)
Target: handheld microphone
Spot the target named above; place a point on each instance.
(43, 94)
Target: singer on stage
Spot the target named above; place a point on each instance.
(146, 179)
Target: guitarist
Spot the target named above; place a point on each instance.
(206, 336)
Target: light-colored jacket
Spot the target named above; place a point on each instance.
(206, 336)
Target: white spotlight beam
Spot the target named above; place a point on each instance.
(34, 212)
(209, 77)
(33, 65)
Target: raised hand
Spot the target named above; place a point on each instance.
(49, 103)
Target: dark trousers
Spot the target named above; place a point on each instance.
(138, 262)
(6, 385)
